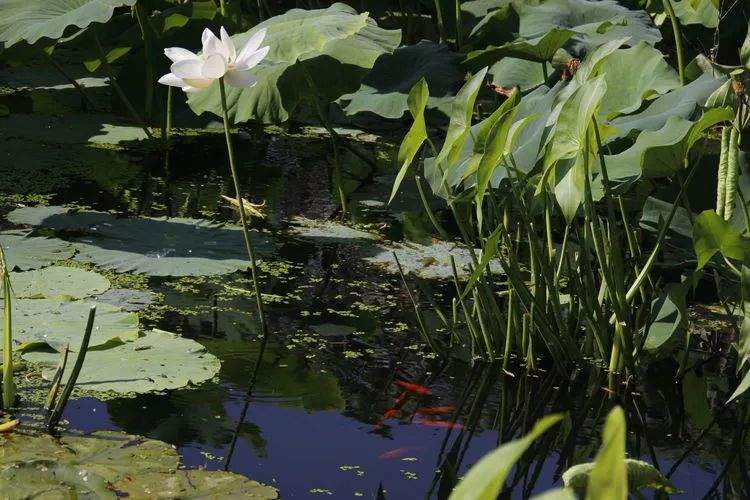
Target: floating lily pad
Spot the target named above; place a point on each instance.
(71, 129)
(58, 218)
(56, 323)
(49, 479)
(157, 361)
(195, 484)
(24, 252)
(426, 261)
(329, 232)
(127, 299)
(153, 246)
(109, 464)
(56, 281)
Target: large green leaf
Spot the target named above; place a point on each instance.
(712, 234)
(385, 90)
(511, 72)
(540, 49)
(586, 18)
(661, 153)
(49, 479)
(58, 281)
(632, 75)
(570, 185)
(107, 464)
(34, 20)
(609, 475)
(640, 475)
(486, 478)
(335, 47)
(681, 102)
(157, 361)
(24, 252)
(695, 400)
(195, 484)
(57, 324)
(153, 246)
(697, 12)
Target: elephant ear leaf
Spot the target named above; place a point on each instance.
(31, 21)
(417, 134)
(640, 475)
(334, 48)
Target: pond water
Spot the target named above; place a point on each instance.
(328, 417)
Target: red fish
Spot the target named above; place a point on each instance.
(390, 413)
(396, 453)
(439, 423)
(415, 388)
(436, 410)
(400, 400)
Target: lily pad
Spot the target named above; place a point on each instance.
(168, 247)
(195, 484)
(333, 47)
(31, 21)
(157, 361)
(56, 281)
(109, 464)
(426, 261)
(385, 89)
(24, 252)
(49, 479)
(71, 129)
(56, 323)
(127, 299)
(153, 246)
(329, 231)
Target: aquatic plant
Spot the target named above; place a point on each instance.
(9, 389)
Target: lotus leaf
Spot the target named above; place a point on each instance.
(697, 12)
(168, 247)
(24, 252)
(384, 91)
(426, 261)
(57, 324)
(511, 72)
(153, 246)
(195, 484)
(540, 49)
(632, 75)
(49, 479)
(329, 232)
(126, 299)
(681, 102)
(661, 152)
(333, 48)
(586, 17)
(56, 281)
(109, 464)
(31, 21)
(157, 361)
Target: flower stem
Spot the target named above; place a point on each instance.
(68, 77)
(243, 220)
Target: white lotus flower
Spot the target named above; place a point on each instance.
(219, 58)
